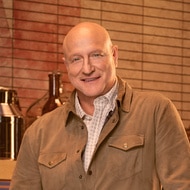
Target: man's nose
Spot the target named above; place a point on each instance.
(88, 66)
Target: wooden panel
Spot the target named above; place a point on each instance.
(153, 39)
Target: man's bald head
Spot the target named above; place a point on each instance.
(90, 60)
(86, 30)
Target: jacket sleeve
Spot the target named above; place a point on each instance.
(172, 149)
(26, 174)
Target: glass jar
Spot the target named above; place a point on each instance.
(11, 124)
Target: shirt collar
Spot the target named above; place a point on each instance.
(110, 96)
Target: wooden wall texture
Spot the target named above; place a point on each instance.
(153, 39)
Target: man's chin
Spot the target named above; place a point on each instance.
(89, 94)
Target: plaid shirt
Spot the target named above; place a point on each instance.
(103, 106)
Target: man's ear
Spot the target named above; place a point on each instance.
(115, 54)
(63, 58)
(65, 62)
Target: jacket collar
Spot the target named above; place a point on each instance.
(125, 94)
(124, 97)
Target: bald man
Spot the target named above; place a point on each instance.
(107, 136)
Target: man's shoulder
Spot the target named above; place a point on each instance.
(150, 95)
(51, 120)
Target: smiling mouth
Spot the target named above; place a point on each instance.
(90, 79)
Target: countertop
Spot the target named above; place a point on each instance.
(6, 169)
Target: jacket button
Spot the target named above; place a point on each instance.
(82, 127)
(50, 163)
(89, 172)
(125, 145)
(78, 151)
(80, 176)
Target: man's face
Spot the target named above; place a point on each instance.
(91, 64)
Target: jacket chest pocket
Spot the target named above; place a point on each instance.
(126, 155)
(51, 160)
(52, 168)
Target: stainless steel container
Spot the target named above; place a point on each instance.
(11, 124)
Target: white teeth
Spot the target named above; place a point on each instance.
(88, 80)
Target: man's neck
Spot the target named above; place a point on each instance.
(87, 104)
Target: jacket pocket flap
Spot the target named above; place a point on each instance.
(50, 160)
(126, 142)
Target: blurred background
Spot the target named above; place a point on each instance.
(153, 39)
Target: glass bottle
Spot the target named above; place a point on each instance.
(54, 99)
(35, 110)
(47, 102)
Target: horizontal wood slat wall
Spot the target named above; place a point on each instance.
(153, 39)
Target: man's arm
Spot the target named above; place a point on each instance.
(172, 150)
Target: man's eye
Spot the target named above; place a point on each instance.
(96, 55)
(76, 59)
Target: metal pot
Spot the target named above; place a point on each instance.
(11, 124)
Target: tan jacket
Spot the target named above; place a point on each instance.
(142, 146)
